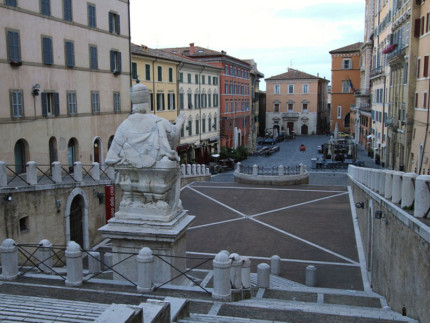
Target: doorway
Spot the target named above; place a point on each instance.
(76, 223)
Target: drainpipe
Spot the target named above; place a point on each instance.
(153, 85)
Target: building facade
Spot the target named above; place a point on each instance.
(235, 92)
(65, 78)
(294, 102)
(345, 79)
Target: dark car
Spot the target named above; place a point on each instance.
(268, 141)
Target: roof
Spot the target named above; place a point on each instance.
(293, 74)
(347, 49)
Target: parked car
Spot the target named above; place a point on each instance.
(268, 141)
(274, 149)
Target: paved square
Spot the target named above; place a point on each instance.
(303, 224)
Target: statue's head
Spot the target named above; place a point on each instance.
(139, 96)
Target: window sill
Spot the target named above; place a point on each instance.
(15, 63)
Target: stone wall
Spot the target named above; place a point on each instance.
(397, 249)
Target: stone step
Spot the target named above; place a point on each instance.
(219, 319)
(276, 282)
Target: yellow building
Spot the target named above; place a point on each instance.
(64, 69)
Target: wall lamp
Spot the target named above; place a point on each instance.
(359, 205)
(380, 215)
(7, 198)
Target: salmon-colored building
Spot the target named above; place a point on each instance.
(345, 80)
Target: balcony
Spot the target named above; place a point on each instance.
(376, 71)
(290, 116)
(397, 53)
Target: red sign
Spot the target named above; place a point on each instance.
(110, 201)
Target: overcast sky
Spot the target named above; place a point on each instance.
(277, 34)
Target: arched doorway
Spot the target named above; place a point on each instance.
(304, 130)
(20, 152)
(97, 149)
(76, 220)
(276, 131)
(53, 152)
(72, 152)
(347, 120)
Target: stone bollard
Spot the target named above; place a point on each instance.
(408, 190)
(56, 172)
(238, 167)
(388, 184)
(31, 173)
(208, 171)
(95, 171)
(396, 195)
(422, 196)
(183, 170)
(263, 275)
(246, 278)
(222, 265)
(74, 264)
(275, 265)
(193, 169)
(310, 276)
(3, 174)
(9, 259)
(77, 171)
(188, 169)
(110, 171)
(382, 175)
(236, 277)
(281, 170)
(145, 262)
(254, 170)
(302, 168)
(94, 264)
(107, 261)
(44, 256)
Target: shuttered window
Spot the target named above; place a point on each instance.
(48, 58)
(114, 23)
(94, 65)
(115, 62)
(13, 46)
(69, 48)
(92, 16)
(67, 10)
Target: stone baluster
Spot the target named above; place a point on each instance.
(3, 174)
(74, 264)
(145, 262)
(388, 184)
(263, 275)
(222, 265)
(382, 175)
(31, 173)
(396, 194)
(275, 265)
(56, 172)
(236, 277)
(238, 167)
(95, 171)
(9, 259)
(193, 169)
(208, 171)
(183, 170)
(44, 256)
(246, 277)
(408, 190)
(254, 170)
(422, 196)
(94, 264)
(188, 169)
(77, 171)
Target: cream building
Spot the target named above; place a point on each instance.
(64, 69)
(294, 103)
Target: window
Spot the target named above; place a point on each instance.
(339, 112)
(197, 127)
(189, 78)
(181, 101)
(190, 100)
(416, 100)
(203, 81)
(209, 100)
(24, 225)
(290, 107)
(92, 16)
(276, 107)
(181, 77)
(171, 101)
(160, 102)
(69, 49)
(47, 55)
(71, 103)
(190, 128)
(426, 66)
(170, 74)
(197, 100)
(305, 107)
(67, 10)
(45, 7)
(215, 100)
(11, 3)
(290, 88)
(418, 67)
(305, 88)
(151, 98)
(425, 101)
(226, 70)
(346, 64)
(114, 24)
(115, 62)
(160, 73)
(209, 80)
(95, 102)
(13, 47)
(147, 72)
(215, 123)
(94, 62)
(16, 104)
(116, 102)
(345, 87)
(134, 70)
(203, 125)
(50, 104)
(277, 89)
(215, 80)
(196, 78)
(405, 73)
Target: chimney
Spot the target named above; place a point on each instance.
(191, 48)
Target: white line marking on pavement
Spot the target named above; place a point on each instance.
(264, 188)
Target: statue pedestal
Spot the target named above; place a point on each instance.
(150, 215)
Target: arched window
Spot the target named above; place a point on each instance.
(21, 156)
(53, 150)
(72, 152)
(97, 150)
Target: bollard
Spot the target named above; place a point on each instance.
(422, 196)
(74, 264)
(193, 169)
(56, 172)
(145, 262)
(236, 277)
(95, 171)
(382, 175)
(44, 255)
(107, 261)
(110, 171)
(254, 170)
(183, 170)
(9, 259)
(238, 167)
(222, 265)
(31, 173)
(188, 169)
(77, 171)
(94, 262)
(263, 275)
(3, 174)
(396, 195)
(246, 278)
(388, 184)
(310, 276)
(281, 170)
(275, 265)
(408, 190)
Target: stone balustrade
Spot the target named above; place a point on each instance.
(407, 190)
